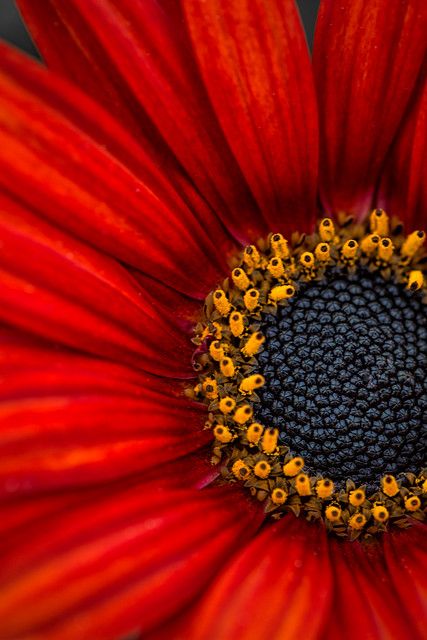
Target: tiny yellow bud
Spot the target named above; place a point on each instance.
(222, 304)
(324, 488)
(278, 496)
(357, 521)
(302, 484)
(307, 259)
(294, 466)
(369, 244)
(412, 503)
(333, 513)
(216, 350)
(385, 249)
(262, 469)
(210, 388)
(251, 299)
(227, 367)
(276, 267)
(236, 324)
(378, 221)
(357, 497)
(282, 292)
(240, 470)
(279, 246)
(254, 432)
(326, 230)
(226, 405)
(380, 513)
(251, 257)
(322, 252)
(243, 414)
(269, 440)
(222, 433)
(240, 279)
(389, 485)
(253, 344)
(251, 383)
(415, 280)
(412, 243)
(349, 250)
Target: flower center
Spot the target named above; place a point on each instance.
(345, 377)
(312, 362)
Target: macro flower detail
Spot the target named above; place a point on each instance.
(177, 164)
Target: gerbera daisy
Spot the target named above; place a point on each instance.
(162, 183)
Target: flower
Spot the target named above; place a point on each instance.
(194, 130)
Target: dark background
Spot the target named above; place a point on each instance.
(13, 30)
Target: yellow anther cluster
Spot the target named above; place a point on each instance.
(231, 337)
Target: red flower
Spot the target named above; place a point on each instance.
(194, 129)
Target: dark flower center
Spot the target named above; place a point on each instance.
(345, 369)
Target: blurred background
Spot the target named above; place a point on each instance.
(13, 30)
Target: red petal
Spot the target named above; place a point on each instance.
(406, 559)
(136, 58)
(117, 562)
(403, 189)
(78, 185)
(366, 605)
(67, 419)
(61, 289)
(255, 64)
(366, 59)
(278, 587)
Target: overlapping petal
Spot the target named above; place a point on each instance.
(68, 419)
(153, 85)
(117, 561)
(403, 189)
(255, 64)
(76, 184)
(278, 587)
(70, 293)
(367, 58)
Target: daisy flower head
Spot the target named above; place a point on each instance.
(214, 329)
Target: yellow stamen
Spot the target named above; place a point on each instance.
(307, 260)
(333, 513)
(412, 503)
(222, 304)
(278, 496)
(251, 257)
(415, 280)
(222, 433)
(240, 279)
(240, 470)
(251, 299)
(379, 222)
(385, 250)
(254, 432)
(424, 486)
(322, 252)
(262, 469)
(412, 243)
(236, 324)
(369, 243)
(227, 367)
(293, 466)
(349, 250)
(251, 383)
(324, 488)
(326, 230)
(243, 414)
(279, 246)
(357, 497)
(276, 267)
(282, 292)
(357, 521)
(226, 405)
(302, 484)
(380, 513)
(389, 485)
(216, 350)
(269, 440)
(253, 345)
(210, 388)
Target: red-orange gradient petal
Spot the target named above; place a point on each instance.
(278, 587)
(73, 182)
(256, 68)
(122, 562)
(67, 419)
(367, 57)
